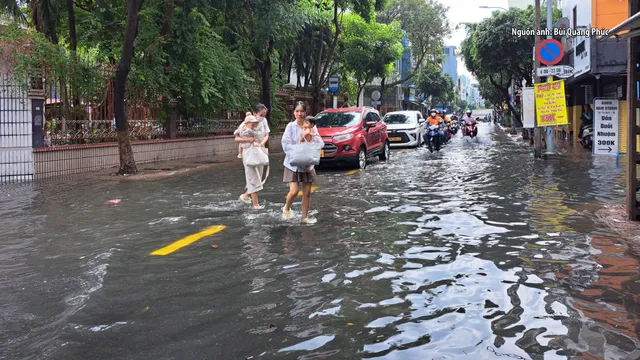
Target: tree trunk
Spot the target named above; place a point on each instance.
(360, 89)
(72, 26)
(265, 75)
(127, 161)
(383, 88)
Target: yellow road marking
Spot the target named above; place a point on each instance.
(351, 172)
(188, 240)
(313, 188)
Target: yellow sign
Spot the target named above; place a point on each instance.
(551, 105)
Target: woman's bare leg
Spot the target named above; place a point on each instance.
(306, 198)
(293, 192)
(254, 199)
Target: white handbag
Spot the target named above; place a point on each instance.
(305, 154)
(255, 156)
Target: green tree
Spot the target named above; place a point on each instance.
(127, 162)
(324, 38)
(496, 57)
(426, 25)
(432, 84)
(367, 49)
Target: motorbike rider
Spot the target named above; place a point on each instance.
(585, 120)
(444, 129)
(433, 119)
(468, 120)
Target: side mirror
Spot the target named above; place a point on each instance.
(371, 124)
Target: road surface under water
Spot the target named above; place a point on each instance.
(476, 252)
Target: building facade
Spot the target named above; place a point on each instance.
(466, 91)
(450, 64)
(600, 66)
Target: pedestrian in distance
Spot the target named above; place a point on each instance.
(251, 135)
(295, 133)
(585, 120)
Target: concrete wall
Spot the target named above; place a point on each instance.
(581, 61)
(608, 13)
(624, 129)
(68, 160)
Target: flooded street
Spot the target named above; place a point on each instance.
(476, 252)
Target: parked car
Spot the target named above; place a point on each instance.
(352, 135)
(405, 128)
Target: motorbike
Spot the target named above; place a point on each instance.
(470, 130)
(433, 138)
(453, 128)
(587, 137)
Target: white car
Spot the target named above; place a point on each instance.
(405, 128)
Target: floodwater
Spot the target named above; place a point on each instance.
(477, 252)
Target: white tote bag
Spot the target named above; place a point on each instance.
(255, 156)
(304, 154)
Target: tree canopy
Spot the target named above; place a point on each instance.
(495, 56)
(368, 50)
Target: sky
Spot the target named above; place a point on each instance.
(462, 11)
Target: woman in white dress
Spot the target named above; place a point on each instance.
(294, 134)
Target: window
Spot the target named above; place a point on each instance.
(399, 119)
(339, 119)
(575, 16)
(445, 51)
(580, 48)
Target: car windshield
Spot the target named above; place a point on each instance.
(338, 119)
(399, 119)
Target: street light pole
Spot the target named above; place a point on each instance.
(537, 131)
(550, 129)
(493, 7)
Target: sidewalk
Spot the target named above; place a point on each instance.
(166, 169)
(615, 217)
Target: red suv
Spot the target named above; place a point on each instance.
(352, 135)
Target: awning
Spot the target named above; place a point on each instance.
(627, 29)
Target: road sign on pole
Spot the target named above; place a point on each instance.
(561, 71)
(605, 126)
(334, 84)
(550, 52)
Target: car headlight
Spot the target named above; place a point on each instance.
(342, 137)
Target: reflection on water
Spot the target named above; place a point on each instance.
(476, 252)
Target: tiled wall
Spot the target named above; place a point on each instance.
(67, 160)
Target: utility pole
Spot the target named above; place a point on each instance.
(550, 129)
(537, 131)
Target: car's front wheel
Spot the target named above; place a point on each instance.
(362, 158)
(386, 152)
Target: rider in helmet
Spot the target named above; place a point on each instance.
(468, 120)
(433, 119)
(444, 129)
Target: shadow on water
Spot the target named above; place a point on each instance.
(475, 252)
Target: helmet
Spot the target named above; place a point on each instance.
(468, 111)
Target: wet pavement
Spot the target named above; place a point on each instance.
(477, 252)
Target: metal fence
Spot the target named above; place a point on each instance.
(16, 154)
(80, 110)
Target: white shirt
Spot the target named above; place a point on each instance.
(263, 125)
(291, 136)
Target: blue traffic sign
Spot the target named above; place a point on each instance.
(334, 84)
(550, 52)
